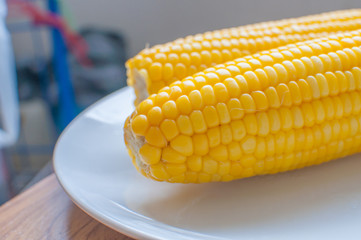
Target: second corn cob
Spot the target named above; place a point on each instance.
(161, 65)
(278, 110)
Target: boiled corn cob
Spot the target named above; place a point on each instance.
(278, 110)
(156, 67)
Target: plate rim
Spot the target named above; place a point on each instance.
(122, 227)
(101, 219)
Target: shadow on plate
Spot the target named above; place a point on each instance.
(267, 201)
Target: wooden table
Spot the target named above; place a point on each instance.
(45, 212)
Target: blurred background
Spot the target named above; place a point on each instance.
(70, 53)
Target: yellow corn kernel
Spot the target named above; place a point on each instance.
(347, 104)
(212, 78)
(223, 113)
(295, 93)
(221, 92)
(297, 117)
(155, 116)
(259, 167)
(150, 155)
(309, 114)
(210, 166)
(200, 81)
(177, 179)
(204, 177)
(236, 170)
(172, 156)
(248, 144)
(355, 99)
(281, 72)
(198, 122)
(241, 81)
(196, 99)
(270, 145)
(275, 120)
(175, 169)
(224, 168)
(356, 71)
(208, 95)
(159, 172)
(175, 92)
(250, 122)
(248, 161)
(161, 98)
(342, 81)
(234, 151)
(214, 136)
(284, 95)
(232, 87)
(260, 100)
(219, 153)
(200, 144)
(183, 145)
(190, 177)
(169, 129)
(252, 81)
(238, 130)
(170, 110)
(306, 90)
(261, 150)
(273, 98)
(272, 75)
(290, 141)
(319, 111)
(262, 77)
(280, 140)
(140, 125)
(248, 103)
(155, 137)
(195, 163)
(167, 71)
(155, 71)
(263, 124)
(226, 134)
(286, 119)
(235, 109)
(211, 116)
(184, 105)
(145, 106)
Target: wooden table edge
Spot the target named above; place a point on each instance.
(44, 211)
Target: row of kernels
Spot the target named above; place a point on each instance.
(155, 71)
(294, 92)
(305, 115)
(289, 71)
(303, 90)
(292, 140)
(299, 159)
(188, 48)
(305, 138)
(261, 124)
(283, 142)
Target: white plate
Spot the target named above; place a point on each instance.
(93, 166)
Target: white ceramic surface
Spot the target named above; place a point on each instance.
(92, 164)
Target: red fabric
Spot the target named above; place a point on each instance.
(74, 41)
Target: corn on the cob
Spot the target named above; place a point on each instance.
(161, 65)
(278, 110)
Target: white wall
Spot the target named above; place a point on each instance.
(159, 21)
